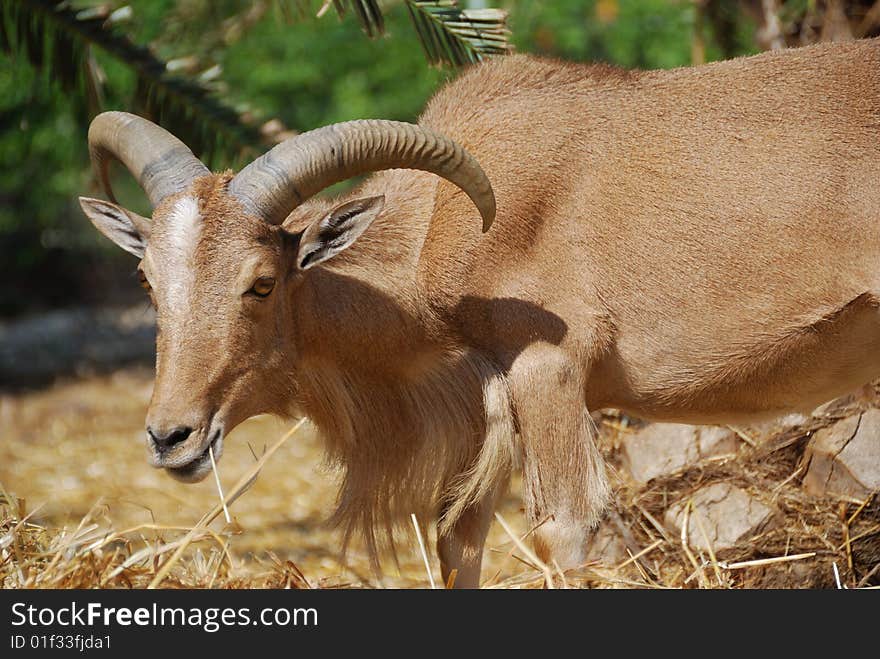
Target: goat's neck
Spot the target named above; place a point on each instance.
(361, 308)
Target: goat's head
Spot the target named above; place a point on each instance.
(223, 273)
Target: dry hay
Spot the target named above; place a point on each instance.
(93, 555)
(268, 545)
(808, 536)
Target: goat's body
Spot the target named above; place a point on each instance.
(709, 236)
(698, 245)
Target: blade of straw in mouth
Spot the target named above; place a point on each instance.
(247, 479)
(219, 487)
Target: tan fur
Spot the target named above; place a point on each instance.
(696, 245)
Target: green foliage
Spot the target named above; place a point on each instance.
(43, 238)
(648, 34)
(368, 12)
(265, 59)
(314, 73)
(57, 37)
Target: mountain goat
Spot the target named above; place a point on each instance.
(695, 245)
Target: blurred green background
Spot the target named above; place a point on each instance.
(277, 62)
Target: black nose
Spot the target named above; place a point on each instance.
(166, 440)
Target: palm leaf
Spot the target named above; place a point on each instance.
(449, 35)
(368, 13)
(455, 36)
(57, 39)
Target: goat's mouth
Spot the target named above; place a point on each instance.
(200, 466)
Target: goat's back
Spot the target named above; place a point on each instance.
(677, 219)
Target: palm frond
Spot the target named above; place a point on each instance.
(449, 35)
(57, 39)
(455, 36)
(368, 13)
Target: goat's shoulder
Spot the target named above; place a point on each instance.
(524, 80)
(508, 75)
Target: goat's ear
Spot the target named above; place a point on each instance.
(128, 230)
(337, 230)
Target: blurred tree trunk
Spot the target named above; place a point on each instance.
(790, 23)
(698, 42)
(835, 25)
(770, 32)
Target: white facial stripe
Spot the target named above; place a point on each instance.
(185, 227)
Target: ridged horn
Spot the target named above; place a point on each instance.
(280, 180)
(160, 162)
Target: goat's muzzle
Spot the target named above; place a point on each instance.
(183, 452)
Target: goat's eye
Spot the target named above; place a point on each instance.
(142, 279)
(263, 286)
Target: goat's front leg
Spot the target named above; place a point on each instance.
(466, 518)
(564, 483)
(461, 547)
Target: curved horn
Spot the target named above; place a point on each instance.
(280, 180)
(160, 162)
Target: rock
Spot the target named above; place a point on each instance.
(660, 449)
(856, 401)
(728, 514)
(844, 458)
(761, 431)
